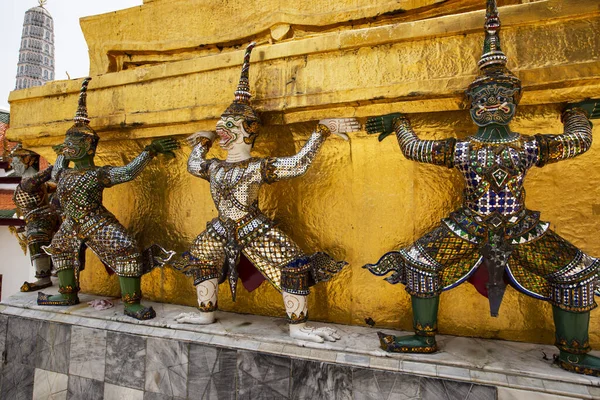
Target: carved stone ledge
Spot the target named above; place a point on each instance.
(417, 66)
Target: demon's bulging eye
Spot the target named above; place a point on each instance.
(229, 124)
(501, 99)
(69, 143)
(481, 100)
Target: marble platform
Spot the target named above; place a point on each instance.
(80, 353)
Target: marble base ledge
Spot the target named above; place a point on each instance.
(72, 352)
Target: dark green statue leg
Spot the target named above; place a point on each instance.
(573, 341)
(425, 326)
(68, 291)
(131, 293)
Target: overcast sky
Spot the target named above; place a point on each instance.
(71, 51)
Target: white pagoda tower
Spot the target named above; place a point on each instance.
(36, 56)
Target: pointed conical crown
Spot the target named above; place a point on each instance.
(81, 116)
(241, 104)
(242, 94)
(492, 53)
(81, 125)
(492, 64)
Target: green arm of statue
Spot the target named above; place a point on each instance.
(130, 171)
(438, 152)
(576, 138)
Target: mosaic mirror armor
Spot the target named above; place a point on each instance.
(242, 242)
(88, 224)
(33, 200)
(493, 239)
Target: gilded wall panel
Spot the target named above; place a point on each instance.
(360, 198)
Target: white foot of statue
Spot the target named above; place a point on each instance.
(201, 318)
(312, 334)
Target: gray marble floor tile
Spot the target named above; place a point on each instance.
(159, 396)
(212, 373)
(166, 367)
(366, 387)
(505, 393)
(114, 392)
(406, 387)
(383, 385)
(318, 380)
(21, 340)
(48, 385)
(262, 376)
(125, 360)
(17, 381)
(84, 389)
(53, 347)
(441, 389)
(3, 331)
(483, 392)
(88, 353)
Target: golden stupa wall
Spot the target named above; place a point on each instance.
(170, 67)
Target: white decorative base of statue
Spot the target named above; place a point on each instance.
(51, 350)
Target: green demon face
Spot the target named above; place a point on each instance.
(492, 103)
(76, 147)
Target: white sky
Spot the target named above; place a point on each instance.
(71, 52)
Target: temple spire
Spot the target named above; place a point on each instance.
(36, 53)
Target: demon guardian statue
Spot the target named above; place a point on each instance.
(87, 223)
(493, 229)
(241, 229)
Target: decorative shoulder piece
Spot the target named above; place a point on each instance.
(104, 175)
(268, 169)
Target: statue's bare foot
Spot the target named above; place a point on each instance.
(202, 318)
(311, 334)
